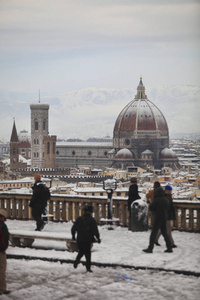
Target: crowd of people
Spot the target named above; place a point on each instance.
(85, 229)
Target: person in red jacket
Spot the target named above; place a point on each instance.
(4, 237)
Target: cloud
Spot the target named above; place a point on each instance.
(52, 25)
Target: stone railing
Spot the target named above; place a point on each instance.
(69, 207)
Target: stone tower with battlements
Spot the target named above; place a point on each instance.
(39, 130)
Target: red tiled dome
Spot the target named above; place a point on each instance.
(140, 115)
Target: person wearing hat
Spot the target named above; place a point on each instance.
(132, 196)
(87, 230)
(4, 237)
(171, 213)
(38, 201)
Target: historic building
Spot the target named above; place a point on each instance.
(140, 138)
(141, 134)
(39, 129)
(14, 149)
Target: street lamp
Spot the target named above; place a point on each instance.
(109, 186)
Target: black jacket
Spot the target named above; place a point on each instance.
(86, 229)
(40, 196)
(4, 235)
(133, 194)
(171, 212)
(160, 206)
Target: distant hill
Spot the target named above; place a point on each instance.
(92, 112)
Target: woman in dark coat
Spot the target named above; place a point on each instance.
(86, 229)
(160, 208)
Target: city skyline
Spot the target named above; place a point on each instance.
(62, 46)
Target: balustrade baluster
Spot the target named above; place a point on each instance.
(67, 209)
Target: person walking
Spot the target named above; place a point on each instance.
(171, 213)
(159, 207)
(132, 196)
(4, 237)
(87, 230)
(150, 194)
(38, 201)
(150, 197)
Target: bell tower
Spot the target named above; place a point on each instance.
(39, 130)
(14, 149)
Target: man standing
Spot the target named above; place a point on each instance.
(132, 196)
(87, 230)
(160, 208)
(38, 201)
(171, 213)
(4, 236)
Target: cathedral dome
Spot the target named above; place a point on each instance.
(124, 154)
(140, 118)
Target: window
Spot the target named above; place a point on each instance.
(54, 147)
(89, 153)
(73, 152)
(44, 125)
(127, 142)
(36, 124)
(48, 148)
(105, 153)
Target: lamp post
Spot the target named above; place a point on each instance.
(109, 186)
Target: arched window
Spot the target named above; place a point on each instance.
(54, 147)
(44, 125)
(36, 124)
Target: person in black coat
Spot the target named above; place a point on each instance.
(132, 196)
(171, 213)
(160, 208)
(86, 229)
(4, 237)
(38, 201)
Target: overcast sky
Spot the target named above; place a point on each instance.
(63, 45)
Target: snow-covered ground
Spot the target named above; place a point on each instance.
(37, 279)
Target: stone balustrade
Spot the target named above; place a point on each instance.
(68, 207)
